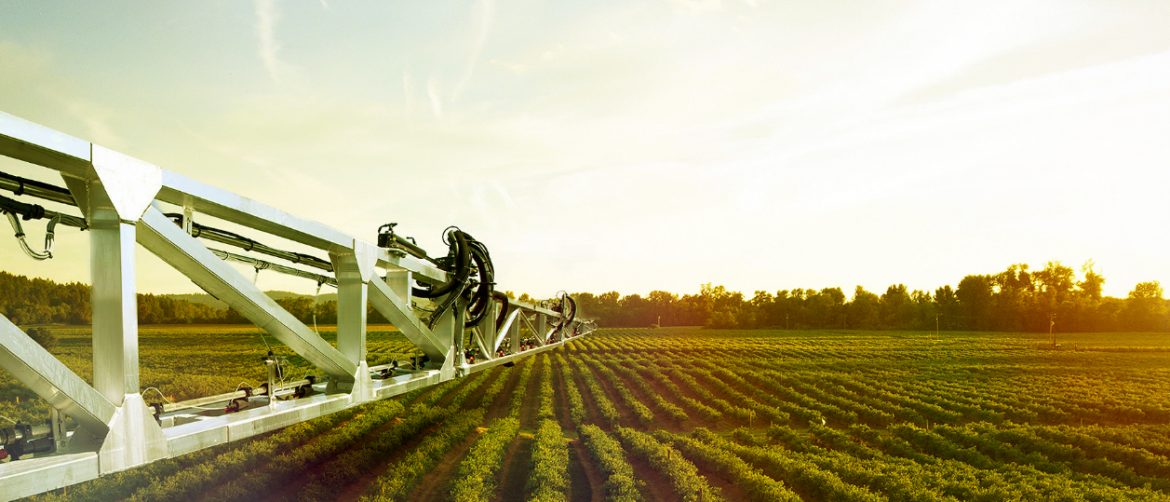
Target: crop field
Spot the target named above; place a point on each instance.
(686, 414)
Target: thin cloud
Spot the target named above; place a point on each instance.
(485, 13)
(436, 100)
(266, 17)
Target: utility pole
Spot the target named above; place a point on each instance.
(936, 336)
(845, 322)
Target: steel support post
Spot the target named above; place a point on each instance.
(354, 268)
(541, 328)
(113, 200)
(449, 328)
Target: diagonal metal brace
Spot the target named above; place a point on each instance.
(402, 317)
(37, 369)
(167, 241)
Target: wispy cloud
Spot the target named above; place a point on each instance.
(407, 92)
(436, 97)
(266, 17)
(485, 14)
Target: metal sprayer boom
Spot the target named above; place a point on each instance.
(110, 426)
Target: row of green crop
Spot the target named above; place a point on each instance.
(605, 407)
(754, 484)
(724, 407)
(399, 481)
(183, 477)
(476, 480)
(351, 465)
(694, 406)
(665, 407)
(641, 413)
(577, 411)
(683, 475)
(607, 454)
(546, 390)
(517, 403)
(549, 479)
(321, 449)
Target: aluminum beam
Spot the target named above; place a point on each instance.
(402, 317)
(506, 329)
(42, 373)
(35, 475)
(353, 269)
(166, 240)
(37, 144)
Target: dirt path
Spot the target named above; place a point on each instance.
(531, 406)
(514, 473)
(435, 486)
(661, 419)
(654, 488)
(290, 488)
(359, 487)
(473, 401)
(584, 481)
(499, 409)
(627, 417)
(590, 406)
(450, 395)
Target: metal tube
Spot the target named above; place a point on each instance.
(275, 267)
(222, 237)
(24, 186)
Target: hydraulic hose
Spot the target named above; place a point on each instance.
(568, 318)
(461, 271)
(503, 298)
(482, 296)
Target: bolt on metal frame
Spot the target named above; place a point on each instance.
(116, 429)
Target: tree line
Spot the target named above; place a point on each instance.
(26, 301)
(1017, 299)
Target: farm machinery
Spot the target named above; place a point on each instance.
(122, 203)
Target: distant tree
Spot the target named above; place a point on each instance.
(1145, 309)
(974, 295)
(44, 337)
(897, 307)
(864, 310)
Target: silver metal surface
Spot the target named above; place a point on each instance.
(402, 317)
(37, 144)
(36, 475)
(353, 270)
(116, 193)
(506, 329)
(161, 237)
(42, 373)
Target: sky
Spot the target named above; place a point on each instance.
(636, 145)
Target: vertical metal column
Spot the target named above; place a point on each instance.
(353, 269)
(113, 198)
(115, 307)
(540, 324)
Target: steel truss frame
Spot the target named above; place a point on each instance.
(116, 429)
